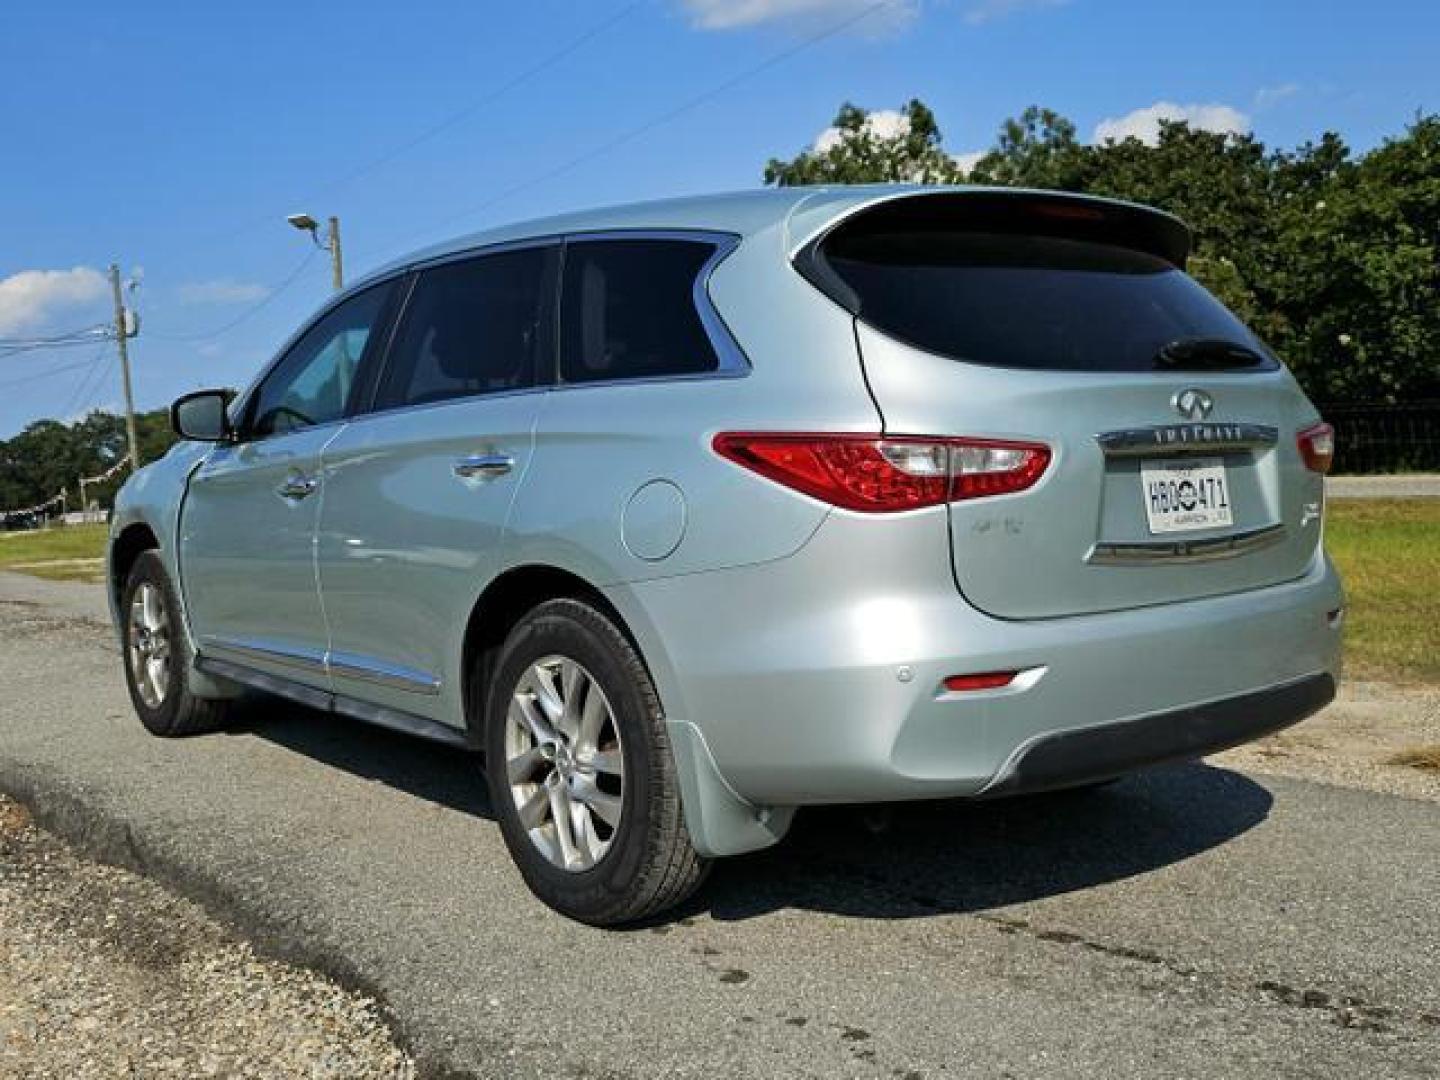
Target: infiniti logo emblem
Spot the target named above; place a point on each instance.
(1193, 404)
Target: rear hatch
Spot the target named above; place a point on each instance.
(1175, 472)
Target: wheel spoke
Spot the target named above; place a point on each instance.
(573, 687)
(522, 768)
(606, 761)
(547, 694)
(150, 597)
(590, 841)
(592, 719)
(535, 809)
(607, 806)
(560, 815)
(531, 718)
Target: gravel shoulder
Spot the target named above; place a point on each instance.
(1354, 742)
(106, 974)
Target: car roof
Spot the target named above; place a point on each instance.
(800, 211)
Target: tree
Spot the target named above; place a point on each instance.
(1038, 150)
(49, 456)
(870, 148)
(1334, 261)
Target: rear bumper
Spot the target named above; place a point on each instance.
(819, 678)
(1084, 755)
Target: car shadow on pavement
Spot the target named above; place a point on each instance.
(911, 860)
(427, 770)
(921, 859)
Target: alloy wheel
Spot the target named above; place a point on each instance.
(148, 647)
(564, 763)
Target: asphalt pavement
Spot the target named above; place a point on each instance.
(1193, 921)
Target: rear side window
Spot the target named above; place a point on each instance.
(1034, 299)
(479, 326)
(628, 310)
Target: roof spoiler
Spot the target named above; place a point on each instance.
(990, 210)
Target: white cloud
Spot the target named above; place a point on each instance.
(882, 124)
(1144, 124)
(223, 291)
(985, 11)
(733, 14)
(1269, 96)
(31, 298)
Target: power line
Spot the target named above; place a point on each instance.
(551, 60)
(249, 312)
(47, 373)
(774, 60)
(83, 387)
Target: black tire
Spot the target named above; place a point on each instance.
(651, 864)
(178, 711)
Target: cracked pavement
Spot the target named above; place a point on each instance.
(1193, 921)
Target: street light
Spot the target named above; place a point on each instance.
(306, 223)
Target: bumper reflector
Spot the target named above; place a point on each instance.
(983, 680)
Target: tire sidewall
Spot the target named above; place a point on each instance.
(578, 632)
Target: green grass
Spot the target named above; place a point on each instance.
(1388, 552)
(54, 553)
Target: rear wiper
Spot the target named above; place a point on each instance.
(1206, 354)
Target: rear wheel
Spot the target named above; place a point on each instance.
(581, 773)
(157, 655)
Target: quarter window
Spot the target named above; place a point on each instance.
(311, 384)
(472, 327)
(628, 310)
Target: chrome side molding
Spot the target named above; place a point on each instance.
(1169, 551)
(315, 662)
(308, 660)
(367, 669)
(1186, 439)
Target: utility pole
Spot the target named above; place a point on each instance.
(331, 243)
(337, 270)
(122, 334)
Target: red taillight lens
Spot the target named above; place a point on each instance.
(1317, 447)
(882, 475)
(982, 680)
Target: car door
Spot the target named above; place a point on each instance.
(418, 492)
(247, 527)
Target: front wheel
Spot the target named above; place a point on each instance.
(581, 773)
(157, 655)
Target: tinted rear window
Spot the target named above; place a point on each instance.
(1027, 301)
(629, 310)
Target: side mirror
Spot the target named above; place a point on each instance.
(203, 416)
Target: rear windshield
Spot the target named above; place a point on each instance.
(1031, 301)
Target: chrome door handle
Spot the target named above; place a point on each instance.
(297, 486)
(483, 466)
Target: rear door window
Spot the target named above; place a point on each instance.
(628, 310)
(477, 326)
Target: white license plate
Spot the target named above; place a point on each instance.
(1184, 495)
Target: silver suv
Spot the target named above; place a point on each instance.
(691, 513)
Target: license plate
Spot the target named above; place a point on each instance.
(1184, 495)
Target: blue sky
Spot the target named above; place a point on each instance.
(175, 137)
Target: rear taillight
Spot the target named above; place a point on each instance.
(875, 474)
(1317, 447)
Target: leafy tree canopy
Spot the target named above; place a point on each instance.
(1331, 258)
